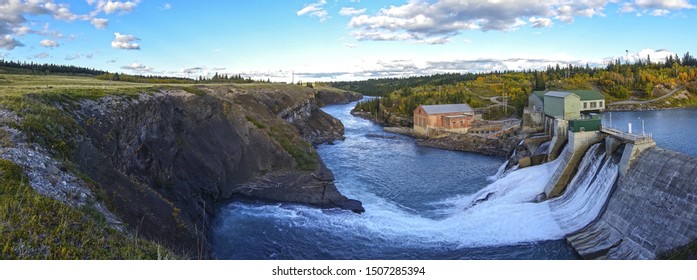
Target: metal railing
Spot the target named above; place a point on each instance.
(627, 135)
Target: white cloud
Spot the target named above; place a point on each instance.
(420, 20)
(8, 42)
(166, 6)
(13, 17)
(111, 61)
(21, 30)
(664, 4)
(315, 10)
(350, 11)
(656, 56)
(657, 7)
(99, 23)
(193, 70)
(89, 55)
(540, 22)
(137, 67)
(381, 67)
(366, 35)
(659, 12)
(126, 42)
(434, 41)
(73, 56)
(41, 55)
(110, 7)
(350, 46)
(49, 43)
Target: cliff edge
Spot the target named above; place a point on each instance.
(160, 159)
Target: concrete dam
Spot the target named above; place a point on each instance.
(642, 198)
(652, 210)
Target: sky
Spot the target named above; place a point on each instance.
(336, 40)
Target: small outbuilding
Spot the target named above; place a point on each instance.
(449, 117)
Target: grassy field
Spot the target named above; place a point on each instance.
(23, 84)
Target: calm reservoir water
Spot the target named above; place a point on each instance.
(672, 129)
(420, 204)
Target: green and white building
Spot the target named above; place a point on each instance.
(567, 105)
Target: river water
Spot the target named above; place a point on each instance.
(421, 203)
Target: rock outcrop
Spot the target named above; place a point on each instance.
(334, 96)
(471, 143)
(163, 159)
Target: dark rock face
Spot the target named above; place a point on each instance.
(326, 97)
(164, 159)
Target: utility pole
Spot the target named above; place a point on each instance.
(293, 79)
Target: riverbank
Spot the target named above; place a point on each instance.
(501, 146)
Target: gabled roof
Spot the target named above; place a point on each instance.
(540, 94)
(587, 95)
(447, 108)
(560, 94)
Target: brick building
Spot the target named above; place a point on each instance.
(429, 119)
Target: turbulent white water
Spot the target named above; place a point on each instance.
(397, 183)
(500, 214)
(588, 191)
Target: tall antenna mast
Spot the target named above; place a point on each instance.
(627, 59)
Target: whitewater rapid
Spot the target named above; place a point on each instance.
(497, 214)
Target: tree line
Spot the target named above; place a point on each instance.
(17, 67)
(618, 80)
(46, 69)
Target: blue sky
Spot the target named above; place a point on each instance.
(323, 40)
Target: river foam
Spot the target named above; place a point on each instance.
(413, 212)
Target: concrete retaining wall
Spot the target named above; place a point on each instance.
(652, 211)
(579, 143)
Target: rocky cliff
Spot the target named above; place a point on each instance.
(160, 160)
(328, 96)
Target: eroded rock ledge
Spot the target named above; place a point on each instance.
(164, 158)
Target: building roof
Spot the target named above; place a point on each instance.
(540, 94)
(560, 94)
(447, 108)
(587, 95)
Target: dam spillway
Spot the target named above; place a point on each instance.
(652, 212)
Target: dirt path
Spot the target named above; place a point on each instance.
(636, 102)
(496, 99)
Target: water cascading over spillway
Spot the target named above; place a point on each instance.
(421, 203)
(588, 191)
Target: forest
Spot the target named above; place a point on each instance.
(642, 80)
(16, 67)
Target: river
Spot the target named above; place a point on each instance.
(421, 203)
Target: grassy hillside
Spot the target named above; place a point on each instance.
(33, 226)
